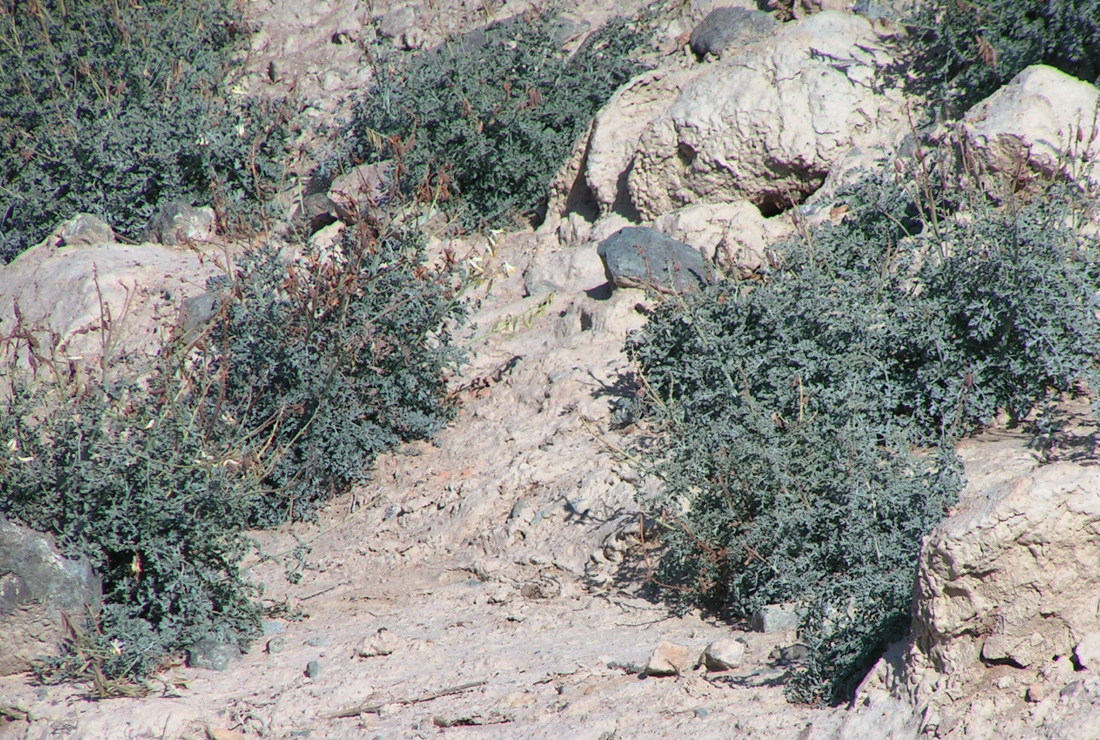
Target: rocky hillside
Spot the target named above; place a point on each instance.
(508, 575)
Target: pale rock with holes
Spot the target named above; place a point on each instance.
(768, 124)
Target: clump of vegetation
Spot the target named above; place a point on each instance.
(306, 372)
(112, 109)
(809, 420)
(963, 51)
(483, 122)
(335, 360)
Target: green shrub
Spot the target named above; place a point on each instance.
(304, 375)
(963, 51)
(146, 487)
(337, 361)
(809, 421)
(112, 109)
(488, 118)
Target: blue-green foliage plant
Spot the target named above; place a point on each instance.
(112, 108)
(483, 122)
(808, 421)
(338, 359)
(306, 372)
(962, 51)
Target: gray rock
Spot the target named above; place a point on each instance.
(790, 654)
(313, 668)
(212, 655)
(276, 645)
(272, 627)
(37, 586)
(725, 27)
(84, 229)
(196, 311)
(639, 257)
(178, 223)
(874, 10)
(775, 618)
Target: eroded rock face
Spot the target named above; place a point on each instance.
(39, 589)
(1007, 596)
(766, 125)
(1042, 123)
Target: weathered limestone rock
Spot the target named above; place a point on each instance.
(1007, 587)
(1043, 123)
(617, 129)
(735, 235)
(39, 589)
(63, 292)
(766, 125)
(724, 655)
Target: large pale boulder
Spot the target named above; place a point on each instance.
(617, 129)
(1043, 123)
(1007, 598)
(767, 125)
(79, 300)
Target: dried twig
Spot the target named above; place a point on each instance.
(374, 707)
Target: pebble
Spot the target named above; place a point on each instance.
(313, 668)
(321, 641)
(275, 645)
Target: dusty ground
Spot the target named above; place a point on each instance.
(494, 557)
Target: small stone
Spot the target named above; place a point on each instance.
(313, 668)
(321, 641)
(701, 712)
(775, 618)
(670, 659)
(1006, 682)
(212, 655)
(723, 655)
(1036, 692)
(84, 230)
(275, 645)
(1087, 652)
(543, 588)
(790, 654)
(177, 223)
(381, 643)
(214, 732)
